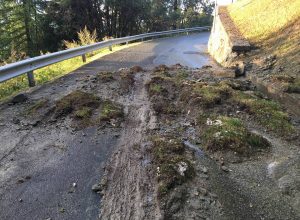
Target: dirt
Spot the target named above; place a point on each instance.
(163, 170)
(185, 143)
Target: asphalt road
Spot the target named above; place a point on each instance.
(38, 165)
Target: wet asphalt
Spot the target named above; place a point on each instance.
(49, 174)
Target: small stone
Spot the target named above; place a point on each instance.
(27, 177)
(203, 191)
(74, 185)
(19, 98)
(225, 169)
(19, 181)
(96, 188)
(213, 195)
(62, 210)
(204, 170)
(204, 176)
(20, 200)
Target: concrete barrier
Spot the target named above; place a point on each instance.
(226, 42)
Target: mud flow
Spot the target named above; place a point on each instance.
(166, 143)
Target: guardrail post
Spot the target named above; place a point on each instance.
(83, 58)
(127, 43)
(110, 48)
(31, 80)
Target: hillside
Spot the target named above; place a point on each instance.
(273, 27)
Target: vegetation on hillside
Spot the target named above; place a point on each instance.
(273, 26)
(257, 19)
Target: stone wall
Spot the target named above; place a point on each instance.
(226, 42)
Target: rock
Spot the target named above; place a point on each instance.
(213, 195)
(20, 200)
(240, 69)
(287, 183)
(96, 187)
(206, 67)
(19, 181)
(74, 185)
(16, 121)
(204, 170)
(203, 191)
(19, 98)
(225, 169)
(195, 203)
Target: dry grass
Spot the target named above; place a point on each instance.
(273, 26)
(257, 19)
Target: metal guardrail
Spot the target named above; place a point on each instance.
(12, 70)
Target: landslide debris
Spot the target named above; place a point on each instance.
(203, 116)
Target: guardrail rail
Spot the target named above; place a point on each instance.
(27, 66)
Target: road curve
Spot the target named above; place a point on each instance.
(38, 166)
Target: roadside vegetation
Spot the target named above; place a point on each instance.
(52, 72)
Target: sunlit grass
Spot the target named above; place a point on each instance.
(18, 84)
(258, 19)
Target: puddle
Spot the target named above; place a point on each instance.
(195, 148)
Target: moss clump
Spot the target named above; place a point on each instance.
(267, 113)
(207, 95)
(76, 102)
(161, 68)
(294, 87)
(284, 78)
(136, 69)
(227, 133)
(106, 76)
(83, 113)
(155, 89)
(110, 111)
(168, 156)
(40, 104)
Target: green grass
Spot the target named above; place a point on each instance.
(268, 113)
(231, 134)
(32, 110)
(18, 84)
(294, 87)
(77, 103)
(110, 111)
(207, 95)
(168, 155)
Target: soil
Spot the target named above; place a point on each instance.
(167, 104)
(224, 185)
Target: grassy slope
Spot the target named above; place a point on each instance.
(257, 19)
(273, 26)
(54, 71)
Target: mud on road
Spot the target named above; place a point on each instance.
(185, 144)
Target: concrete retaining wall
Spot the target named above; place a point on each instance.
(226, 42)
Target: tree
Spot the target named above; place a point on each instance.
(34, 26)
